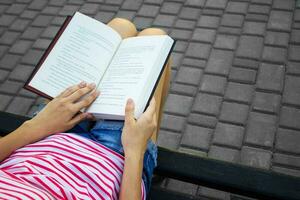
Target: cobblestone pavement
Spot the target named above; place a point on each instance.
(235, 92)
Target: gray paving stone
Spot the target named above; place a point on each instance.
(4, 101)
(164, 20)
(202, 120)
(183, 89)
(170, 7)
(287, 171)
(287, 140)
(168, 139)
(237, 7)
(189, 75)
(257, 17)
(19, 105)
(32, 33)
(174, 100)
(291, 94)
(176, 59)
(292, 68)
(294, 52)
(105, 17)
(295, 36)
(89, 8)
(42, 21)
(254, 28)
(259, 9)
(250, 47)
(185, 24)
(29, 14)
(245, 63)
(6, 20)
(10, 87)
(68, 10)
(181, 34)
(266, 102)
(126, 14)
(224, 154)
(234, 113)
(226, 41)
(267, 2)
(208, 21)
(148, 10)
(20, 47)
(195, 3)
(173, 122)
(194, 62)
(232, 20)
(230, 30)
(9, 61)
(9, 37)
(50, 32)
(3, 50)
(261, 129)
(219, 62)
(284, 5)
(239, 92)
(42, 44)
(242, 75)
(256, 157)
(32, 57)
(180, 46)
(19, 25)
(37, 4)
(198, 50)
(21, 73)
(280, 20)
(132, 4)
(207, 104)
(290, 117)
(3, 75)
(210, 193)
(270, 77)
(158, 2)
(51, 10)
(189, 13)
(277, 38)
(220, 4)
(196, 137)
(285, 159)
(140, 22)
(204, 35)
(183, 187)
(213, 84)
(274, 54)
(229, 135)
(16, 8)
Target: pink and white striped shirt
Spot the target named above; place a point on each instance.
(62, 166)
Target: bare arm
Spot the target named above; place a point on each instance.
(59, 115)
(134, 139)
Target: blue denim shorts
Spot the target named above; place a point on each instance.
(108, 133)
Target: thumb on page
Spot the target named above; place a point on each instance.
(129, 111)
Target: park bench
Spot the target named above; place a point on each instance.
(234, 178)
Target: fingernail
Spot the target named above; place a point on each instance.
(97, 92)
(82, 84)
(129, 101)
(92, 85)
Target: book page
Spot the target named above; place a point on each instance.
(82, 53)
(128, 74)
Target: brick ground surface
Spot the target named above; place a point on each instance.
(235, 92)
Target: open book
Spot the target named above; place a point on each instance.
(87, 50)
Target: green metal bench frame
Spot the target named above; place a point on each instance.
(238, 179)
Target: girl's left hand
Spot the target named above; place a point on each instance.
(63, 112)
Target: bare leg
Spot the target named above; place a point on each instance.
(161, 91)
(123, 26)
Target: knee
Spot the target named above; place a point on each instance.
(152, 31)
(123, 26)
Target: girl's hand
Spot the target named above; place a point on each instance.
(62, 113)
(136, 134)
